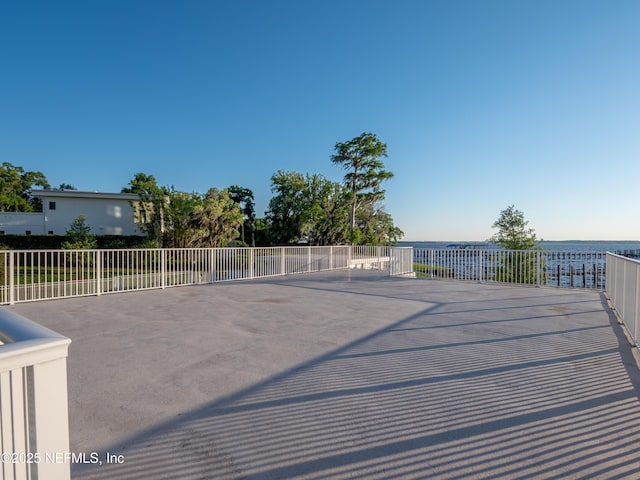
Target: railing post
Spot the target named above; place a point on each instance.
(12, 294)
(251, 261)
(34, 399)
(330, 258)
(163, 268)
(430, 266)
(282, 262)
(309, 259)
(50, 406)
(211, 271)
(98, 271)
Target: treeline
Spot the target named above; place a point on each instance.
(305, 208)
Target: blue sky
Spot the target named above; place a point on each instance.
(482, 104)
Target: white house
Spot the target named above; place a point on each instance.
(105, 213)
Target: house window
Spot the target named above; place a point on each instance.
(52, 205)
(27, 232)
(1, 232)
(50, 232)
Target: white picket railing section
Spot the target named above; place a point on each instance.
(48, 274)
(40, 274)
(34, 433)
(522, 267)
(401, 262)
(623, 289)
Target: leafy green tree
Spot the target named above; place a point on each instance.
(149, 210)
(374, 226)
(513, 233)
(286, 207)
(179, 219)
(307, 208)
(524, 264)
(360, 157)
(180, 230)
(217, 218)
(15, 189)
(244, 197)
(79, 236)
(261, 232)
(324, 220)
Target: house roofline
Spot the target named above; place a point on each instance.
(84, 194)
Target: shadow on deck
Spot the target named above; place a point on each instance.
(349, 375)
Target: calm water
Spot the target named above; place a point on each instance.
(568, 246)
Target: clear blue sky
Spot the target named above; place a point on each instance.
(482, 104)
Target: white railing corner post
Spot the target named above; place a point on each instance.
(251, 262)
(282, 261)
(50, 408)
(309, 270)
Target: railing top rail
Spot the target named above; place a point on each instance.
(60, 250)
(622, 257)
(27, 343)
(503, 250)
(16, 328)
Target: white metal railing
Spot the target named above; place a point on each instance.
(34, 426)
(370, 256)
(48, 274)
(401, 262)
(40, 274)
(623, 289)
(523, 267)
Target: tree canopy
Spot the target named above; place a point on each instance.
(513, 233)
(244, 198)
(360, 157)
(15, 189)
(171, 218)
(312, 209)
(217, 219)
(149, 210)
(284, 215)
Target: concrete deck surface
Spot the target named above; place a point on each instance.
(349, 375)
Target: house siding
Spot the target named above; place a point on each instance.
(105, 214)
